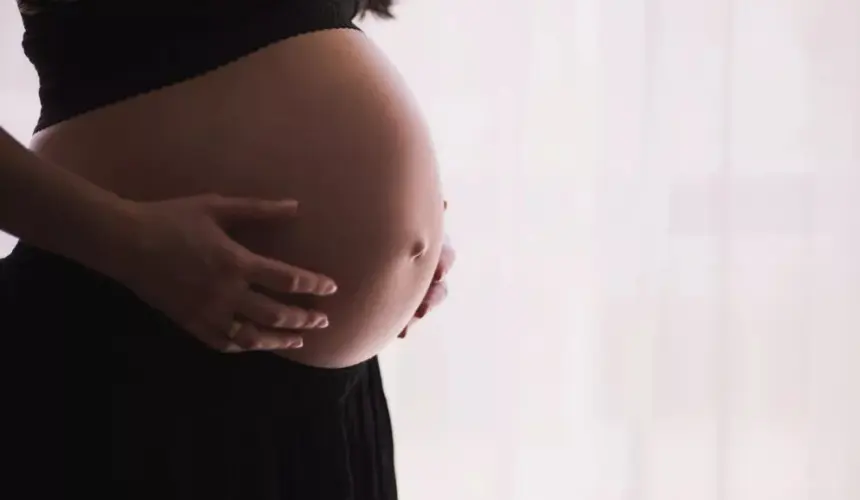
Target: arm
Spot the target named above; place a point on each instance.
(56, 210)
(174, 254)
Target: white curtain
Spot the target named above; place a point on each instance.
(656, 205)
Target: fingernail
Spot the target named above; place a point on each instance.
(296, 344)
(328, 287)
(321, 322)
(422, 311)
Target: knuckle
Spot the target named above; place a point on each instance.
(296, 283)
(235, 261)
(211, 337)
(232, 269)
(295, 318)
(249, 339)
(260, 310)
(206, 303)
(288, 319)
(214, 306)
(269, 317)
(245, 342)
(254, 345)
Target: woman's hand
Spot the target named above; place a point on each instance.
(438, 290)
(176, 256)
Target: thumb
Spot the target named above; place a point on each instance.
(236, 209)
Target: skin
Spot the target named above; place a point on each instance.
(438, 291)
(175, 255)
(323, 119)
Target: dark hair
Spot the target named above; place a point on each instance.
(379, 8)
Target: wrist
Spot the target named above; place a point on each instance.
(55, 209)
(116, 233)
(103, 235)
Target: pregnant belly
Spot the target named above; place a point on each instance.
(322, 118)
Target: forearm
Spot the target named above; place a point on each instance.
(54, 209)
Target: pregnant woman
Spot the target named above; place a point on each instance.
(233, 375)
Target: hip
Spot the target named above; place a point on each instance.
(183, 421)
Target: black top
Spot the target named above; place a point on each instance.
(90, 53)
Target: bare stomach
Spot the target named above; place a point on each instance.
(321, 118)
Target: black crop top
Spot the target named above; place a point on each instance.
(90, 53)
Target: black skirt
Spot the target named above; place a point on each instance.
(184, 422)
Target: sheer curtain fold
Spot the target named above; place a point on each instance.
(655, 206)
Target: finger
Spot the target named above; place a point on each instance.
(270, 313)
(230, 348)
(281, 277)
(234, 209)
(218, 339)
(446, 261)
(436, 295)
(248, 337)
